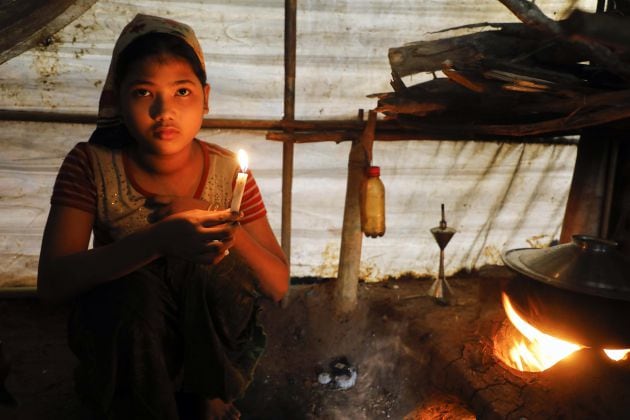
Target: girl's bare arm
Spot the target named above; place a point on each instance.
(67, 267)
(256, 243)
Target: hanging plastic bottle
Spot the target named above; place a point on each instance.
(373, 203)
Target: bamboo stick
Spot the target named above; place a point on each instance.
(347, 130)
(210, 123)
(331, 130)
(425, 133)
(290, 39)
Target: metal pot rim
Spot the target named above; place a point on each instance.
(587, 265)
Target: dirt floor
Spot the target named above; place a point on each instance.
(383, 348)
(386, 340)
(399, 355)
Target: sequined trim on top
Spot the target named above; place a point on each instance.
(121, 207)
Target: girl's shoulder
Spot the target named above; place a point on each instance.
(216, 150)
(95, 152)
(79, 152)
(87, 147)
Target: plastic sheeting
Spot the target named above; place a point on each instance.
(341, 51)
(497, 196)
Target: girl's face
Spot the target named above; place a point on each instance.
(163, 102)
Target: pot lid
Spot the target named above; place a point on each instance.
(586, 265)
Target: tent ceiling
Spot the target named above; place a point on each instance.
(341, 52)
(26, 23)
(497, 195)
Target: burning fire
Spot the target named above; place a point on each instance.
(535, 351)
(617, 355)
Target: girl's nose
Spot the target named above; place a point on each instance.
(161, 108)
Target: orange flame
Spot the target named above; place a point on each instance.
(535, 351)
(617, 355)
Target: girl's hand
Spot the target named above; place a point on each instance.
(198, 235)
(167, 205)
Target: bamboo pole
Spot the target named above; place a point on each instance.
(210, 123)
(319, 130)
(430, 134)
(290, 43)
(351, 236)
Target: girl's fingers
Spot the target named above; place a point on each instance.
(158, 214)
(211, 257)
(194, 237)
(207, 259)
(159, 200)
(216, 217)
(233, 412)
(216, 233)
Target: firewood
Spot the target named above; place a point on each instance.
(531, 15)
(519, 87)
(607, 29)
(428, 56)
(460, 77)
(408, 106)
(513, 77)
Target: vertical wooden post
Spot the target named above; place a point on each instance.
(290, 43)
(351, 235)
(586, 204)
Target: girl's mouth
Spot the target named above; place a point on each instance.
(165, 133)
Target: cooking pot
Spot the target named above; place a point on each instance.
(578, 291)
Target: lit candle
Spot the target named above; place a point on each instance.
(241, 180)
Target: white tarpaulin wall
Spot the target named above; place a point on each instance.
(496, 195)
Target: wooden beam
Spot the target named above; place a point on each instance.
(427, 132)
(210, 123)
(351, 235)
(327, 130)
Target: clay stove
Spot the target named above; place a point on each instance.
(565, 298)
(573, 298)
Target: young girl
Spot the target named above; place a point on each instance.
(166, 297)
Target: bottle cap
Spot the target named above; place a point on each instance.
(374, 171)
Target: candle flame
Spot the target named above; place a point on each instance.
(243, 161)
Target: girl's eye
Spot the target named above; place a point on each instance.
(141, 92)
(183, 92)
